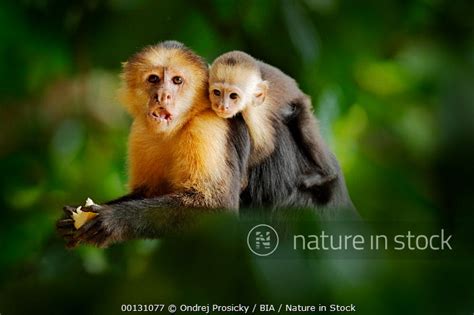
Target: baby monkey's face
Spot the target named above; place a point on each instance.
(233, 89)
(227, 100)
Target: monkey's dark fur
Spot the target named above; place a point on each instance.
(292, 177)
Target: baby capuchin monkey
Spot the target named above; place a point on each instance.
(183, 159)
(290, 165)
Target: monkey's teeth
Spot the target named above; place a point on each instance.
(162, 116)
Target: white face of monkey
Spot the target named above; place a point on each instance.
(227, 100)
(230, 97)
(161, 86)
(166, 88)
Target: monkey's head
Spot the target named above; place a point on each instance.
(162, 84)
(235, 82)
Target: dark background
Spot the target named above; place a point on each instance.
(391, 83)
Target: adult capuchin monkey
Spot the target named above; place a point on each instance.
(290, 165)
(183, 158)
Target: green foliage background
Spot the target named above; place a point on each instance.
(391, 83)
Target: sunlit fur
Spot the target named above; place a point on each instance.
(190, 152)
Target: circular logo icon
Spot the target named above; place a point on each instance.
(262, 240)
(172, 308)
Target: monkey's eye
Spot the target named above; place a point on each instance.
(216, 92)
(177, 80)
(233, 95)
(153, 78)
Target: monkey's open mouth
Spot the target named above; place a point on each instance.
(161, 115)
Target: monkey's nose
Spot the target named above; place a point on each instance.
(223, 107)
(165, 97)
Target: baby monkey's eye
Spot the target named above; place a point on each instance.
(153, 78)
(217, 92)
(177, 80)
(233, 95)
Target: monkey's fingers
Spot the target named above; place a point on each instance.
(66, 232)
(88, 229)
(99, 237)
(310, 181)
(68, 210)
(65, 223)
(69, 238)
(330, 178)
(70, 244)
(93, 208)
(95, 236)
(65, 228)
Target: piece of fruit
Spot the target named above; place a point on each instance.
(89, 202)
(81, 217)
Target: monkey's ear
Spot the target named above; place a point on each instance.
(261, 93)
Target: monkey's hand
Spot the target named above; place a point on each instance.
(101, 230)
(316, 180)
(65, 226)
